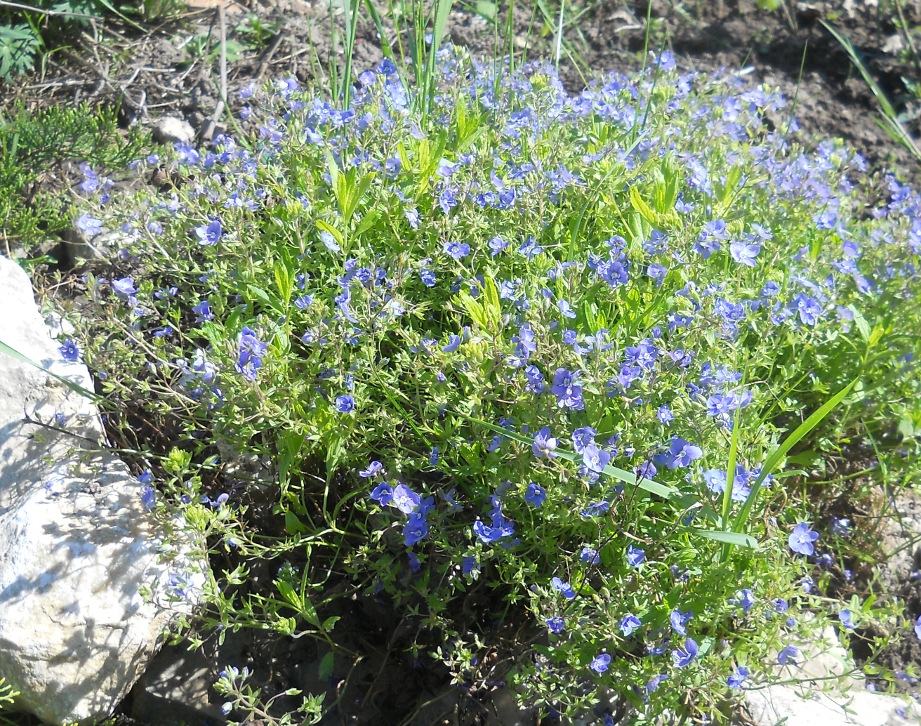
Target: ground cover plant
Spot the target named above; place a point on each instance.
(533, 371)
(36, 145)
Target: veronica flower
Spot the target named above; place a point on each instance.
(148, 497)
(373, 469)
(124, 286)
(629, 623)
(382, 493)
(583, 437)
(454, 342)
(345, 403)
(801, 539)
(500, 528)
(567, 390)
(600, 663)
(589, 555)
(457, 250)
(250, 354)
(808, 308)
(635, 556)
(210, 233)
(595, 459)
(496, 245)
(681, 453)
(685, 654)
(90, 226)
(679, 619)
(415, 529)
(564, 588)
(329, 242)
(555, 624)
(744, 253)
(535, 495)
(405, 499)
(544, 443)
(737, 677)
(203, 312)
(788, 655)
(69, 350)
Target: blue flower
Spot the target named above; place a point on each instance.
(635, 556)
(69, 350)
(90, 226)
(454, 342)
(918, 627)
(373, 469)
(329, 241)
(685, 654)
(500, 529)
(555, 624)
(148, 497)
(583, 437)
(679, 619)
(567, 390)
(595, 459)
(496, 245)
(744, 253)
(203, 312)
(589, 555)
(210, 233)
(682, 453)
(469, 565)
(345, 403)
(737, 677)
(600, 663)
(457, 250)
(563, 587)
(595, 509)
(746, 600)
(629, 623)
(845, 617)
(544, 443)
(415, 529)
(124, 286)
(405, 499)
(788, 655)
(250, 353)
(535, 495)
(801, 539)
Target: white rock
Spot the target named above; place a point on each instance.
(828, 691)
(77, 548)
(171, 129)
(789, 705)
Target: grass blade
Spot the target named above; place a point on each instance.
(13, 353)
(782, 449)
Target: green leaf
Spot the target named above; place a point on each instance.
(326, 666)
(781, 450)
(628, 477)
(13, 353)
(293, 524)
(732, 538)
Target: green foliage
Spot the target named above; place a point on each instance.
(564, 351)
(32, 144)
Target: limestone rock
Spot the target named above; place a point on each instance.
(77, 548)
(776, 705)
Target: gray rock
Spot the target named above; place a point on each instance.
(789, 705)
(78, 551)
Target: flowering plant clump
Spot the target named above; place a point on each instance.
(553, 348)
